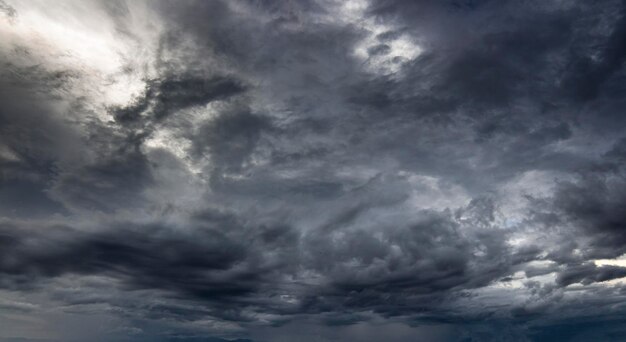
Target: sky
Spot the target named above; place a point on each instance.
(312, 170)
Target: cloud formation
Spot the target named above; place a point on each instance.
(358, 170)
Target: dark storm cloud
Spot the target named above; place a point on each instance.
(589, 74)
(451, 164)
(231, 137)
(163, 97)
(587, 274)
(594, 203)
(32, 139)
(116, 180)
(150, 256)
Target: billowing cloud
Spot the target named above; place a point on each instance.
(357, 170)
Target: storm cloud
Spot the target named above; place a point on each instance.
(312, 170)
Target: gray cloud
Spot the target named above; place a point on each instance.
(365, 170)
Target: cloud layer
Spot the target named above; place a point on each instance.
(312, 170)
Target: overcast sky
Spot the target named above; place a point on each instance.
(312, 170)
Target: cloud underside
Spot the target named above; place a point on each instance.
(359, 170)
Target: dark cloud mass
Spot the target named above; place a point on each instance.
(265, 171)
